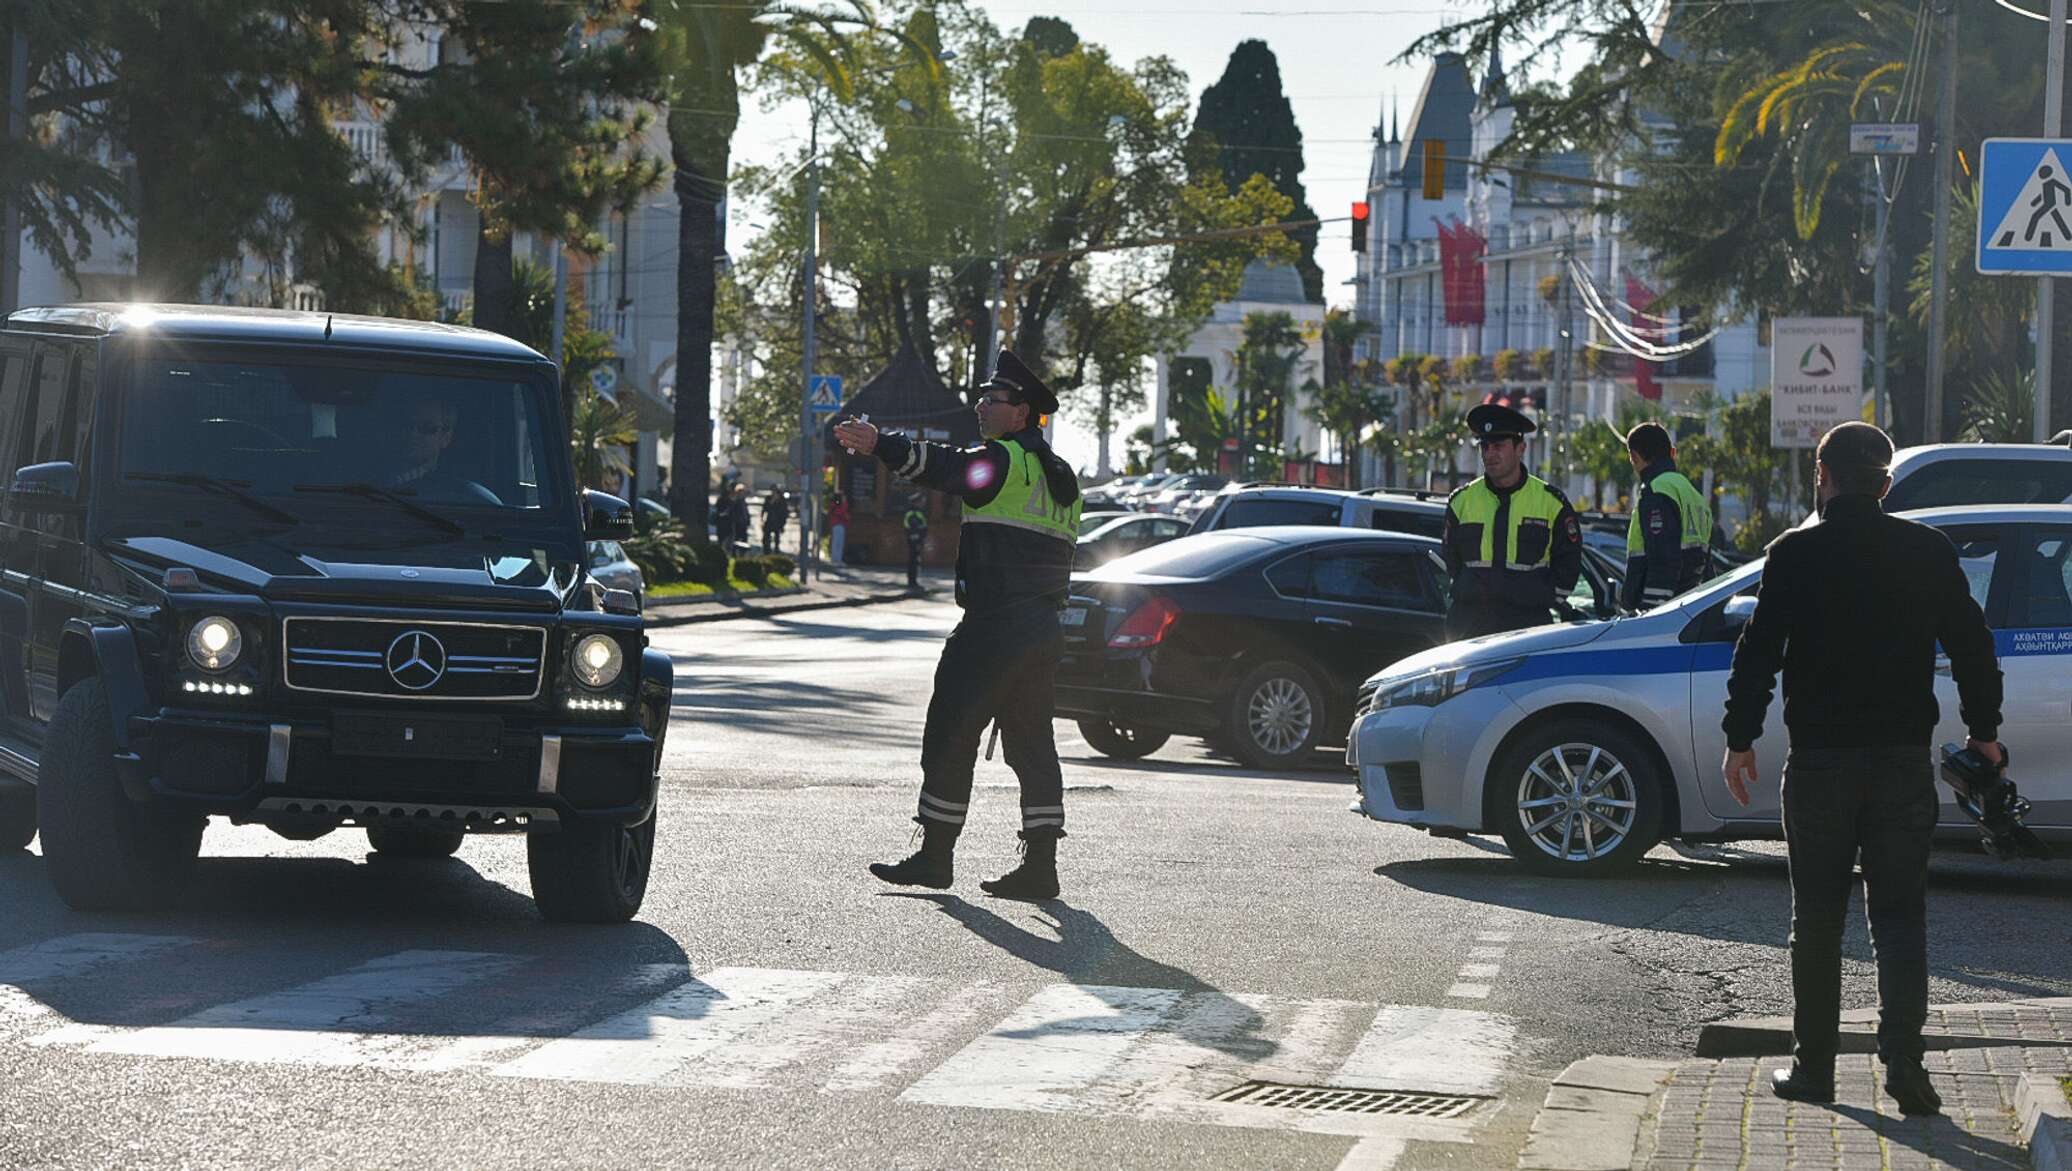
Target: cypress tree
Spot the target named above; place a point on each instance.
(1247, 122)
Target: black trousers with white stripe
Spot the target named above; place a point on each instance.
(1004, 668)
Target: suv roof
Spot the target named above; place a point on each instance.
(238, 324)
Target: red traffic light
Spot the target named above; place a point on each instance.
(1360, 210)
(1360, 226)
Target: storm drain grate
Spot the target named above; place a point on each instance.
(1339, 1100)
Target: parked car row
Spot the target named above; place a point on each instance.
(1293, 618)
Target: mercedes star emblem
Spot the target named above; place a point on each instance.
(416, 660)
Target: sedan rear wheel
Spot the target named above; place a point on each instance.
(1578, 798)
(1276, 716)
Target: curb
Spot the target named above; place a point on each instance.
(1771, 1036)
(1591, 1118)
(726, 610)
(2046, 1121)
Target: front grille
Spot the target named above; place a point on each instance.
(413, 660)
(1343, 1100)
(1406, 785)
(1364, 701)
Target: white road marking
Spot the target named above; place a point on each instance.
(1479, 971)
(509, 1037)
(645, 1045)
(63, 958)
(1487, 953)
(882, 1061)
(1431, 1050)
(337, 1021)
(1492, 937)
(1373, 1154)
(1047, 1050)
(1466, 991)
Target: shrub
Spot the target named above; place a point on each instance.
(666, 557)
(1509, 366)
(782, 565)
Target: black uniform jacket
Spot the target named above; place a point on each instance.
(1496, 599)
(1852, 608)
(1663, 568)
(999, 567)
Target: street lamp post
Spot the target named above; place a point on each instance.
(2053, 123)
(809, 498)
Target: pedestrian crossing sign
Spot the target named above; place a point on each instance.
(824, 392)
(2025, 206)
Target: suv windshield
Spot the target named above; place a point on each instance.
(279, 429)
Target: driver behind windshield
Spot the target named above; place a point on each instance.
(425, 431)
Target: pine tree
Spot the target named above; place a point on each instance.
(1247, 121)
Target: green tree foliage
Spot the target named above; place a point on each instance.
(1266, 365)
(1246, 127)
(599, 433)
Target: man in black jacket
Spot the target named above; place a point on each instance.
(1852, 609)
(1014, 570)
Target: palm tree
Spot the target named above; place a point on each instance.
(712, 44)
(600, 433)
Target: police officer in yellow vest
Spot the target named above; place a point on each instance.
(1513, 543)
(1672, 525)
(1014, 567)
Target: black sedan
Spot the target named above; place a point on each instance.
(1257, 639)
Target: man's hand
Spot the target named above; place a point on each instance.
(856, 435)
(1739, 768)
(1988, 749)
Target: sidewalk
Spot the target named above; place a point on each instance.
(1996, 1066)
(847, 585)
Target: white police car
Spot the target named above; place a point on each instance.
(1585, 744)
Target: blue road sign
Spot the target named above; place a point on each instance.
(824, 392)
(2025, 206)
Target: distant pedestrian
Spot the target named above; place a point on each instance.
(776, 512)
(723, 514)
(1852, 608)
(837, 528)
(916, 524)
(737, 521)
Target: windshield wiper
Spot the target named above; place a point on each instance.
(235, 489)
(368, 491)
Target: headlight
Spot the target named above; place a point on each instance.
(214, 643)
(1435, 687)
(598, 660)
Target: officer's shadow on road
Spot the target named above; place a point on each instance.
(1085, 951)
(1937, 1137)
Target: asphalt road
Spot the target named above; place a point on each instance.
(774, 1006)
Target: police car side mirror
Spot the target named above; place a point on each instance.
(1740, 608)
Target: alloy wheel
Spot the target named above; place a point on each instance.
(1577, 802)
(1280, 716)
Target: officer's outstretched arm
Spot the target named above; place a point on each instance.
(976, 473)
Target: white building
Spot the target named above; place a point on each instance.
(1209, 359)
(1531, 223)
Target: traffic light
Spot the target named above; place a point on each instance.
(1435, 168)
(1360, 226)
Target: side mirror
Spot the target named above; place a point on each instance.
(606, 517)
(621, 602)
(45, 488)
(1740, 608)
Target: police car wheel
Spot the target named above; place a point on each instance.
(407, 841)
(1276, 715)
(1577, 798)
(1122, 741)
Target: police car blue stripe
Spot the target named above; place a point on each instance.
(1719, 656)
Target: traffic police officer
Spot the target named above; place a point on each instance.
(1666, 542)
(1014, 566)
(1513, 543)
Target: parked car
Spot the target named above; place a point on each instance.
(1104, 496)
(1256, 638)
(1391, 510)
(1168, 495)
(612, 569)
(1463, 739)
(1123, 535)
(1089, 521)
(1945, 474)
(266, 590)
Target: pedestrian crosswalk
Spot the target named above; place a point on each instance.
(1061, 1048)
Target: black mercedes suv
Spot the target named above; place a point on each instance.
(309, 571)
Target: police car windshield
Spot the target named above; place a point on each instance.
(443, 439)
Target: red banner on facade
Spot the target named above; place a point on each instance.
(1641, 300)
(1461, 249)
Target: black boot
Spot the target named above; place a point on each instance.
(1907, 1082)
(929, 866)
(1799, 1083)
(1035, 879)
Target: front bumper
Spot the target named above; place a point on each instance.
(253, 767)
(1425, 765)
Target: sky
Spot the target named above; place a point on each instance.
(1335, 68)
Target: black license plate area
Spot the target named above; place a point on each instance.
(417, 737)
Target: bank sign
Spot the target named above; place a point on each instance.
(1816, 377)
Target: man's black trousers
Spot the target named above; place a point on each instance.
(1842, 805)
(995, 668)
